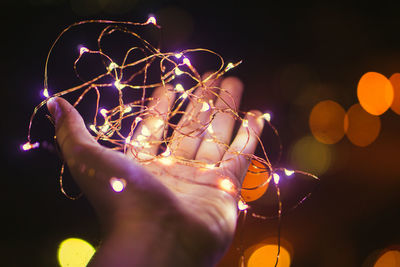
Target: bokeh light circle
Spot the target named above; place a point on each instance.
(310, 155)
(395, 80)
(375, 93)
(256, 176)
(75, 252)
(390, 258)
(361, 127)
(326, 122)
(265, 254)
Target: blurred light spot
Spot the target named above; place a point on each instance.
(226, 185)
(395, 80)
(309, 155)
(75, 252)
(265, 255)
(256, 176)
(375, 93)
(390, 258)
(117, 184)
(361, 127)
(326, 122)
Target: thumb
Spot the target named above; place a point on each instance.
(71, 133)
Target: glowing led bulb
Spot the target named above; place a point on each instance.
(229, 66)
(276, 178)
(117, 184)
(178, 55)
(184, 95)
(83, 50)
(128, 140)
(28, 146)
(242, 205)
(205, 107)
(266, 116)
(166, 153)
(151, 20)
(45, 93)
(138, 119)
(186, 61)
(245, 123)
(93, 128)
(105, 128)
(179, 88)
(288, 172)
(127, 109)
(210, 129)
(166, 160)
(103, 112)
(178, 71)
(119, 85)
(210, 166)
(112, 66)
(226, 185)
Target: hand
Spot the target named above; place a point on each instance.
(167, 215)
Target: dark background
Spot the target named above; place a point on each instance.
(286, 50)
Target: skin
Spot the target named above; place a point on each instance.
(159, 220)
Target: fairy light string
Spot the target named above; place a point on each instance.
(108, 125)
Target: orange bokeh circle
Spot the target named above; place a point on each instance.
(375, 93)
(326, 122)
(253, 186)
(395, 80)
(361, 127)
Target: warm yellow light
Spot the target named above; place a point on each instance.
(361, 127)
(276, 178)
(186, 61)
(112, 66)
(226, 185)
(151, 20)
(390, 258)
(103, 112)
(256, 177)
(326, 122)
(288, 172)
(375, 93)
(210, 166)
(395, 80)
(178, 71)
(138, 119)
(119, 85)
(128, 109)
(245, 123)
(45, 93)
(229, 66)
(210, 129)
(179, 88)
(266, 116)
(242, 205)
(29, 146)
(166, 153)
(166, 160)
(75, 252)
(178, 55)
(266, 256)
(205, 107)
(117, 184)
(83, 50)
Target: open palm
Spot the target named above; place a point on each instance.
(186, 211)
